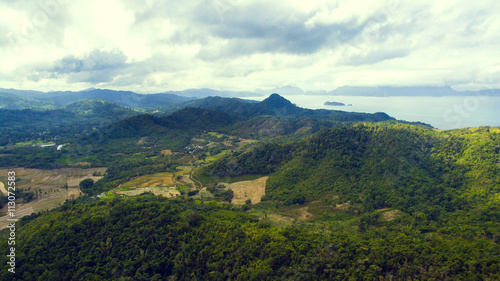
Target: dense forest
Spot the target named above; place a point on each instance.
(152, 238)
(382, 199)
(398, 166)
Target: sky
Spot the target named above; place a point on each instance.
(238, 45)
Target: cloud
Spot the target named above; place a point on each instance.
(157, 45)
(97, 60)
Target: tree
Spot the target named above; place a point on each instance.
(86, 185)
(227, 195)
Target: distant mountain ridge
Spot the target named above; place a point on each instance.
(56, 99)
(132, 99)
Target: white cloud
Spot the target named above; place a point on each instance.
(154, 46)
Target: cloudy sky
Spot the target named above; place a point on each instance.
(154, 46)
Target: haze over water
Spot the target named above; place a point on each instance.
(441, 112)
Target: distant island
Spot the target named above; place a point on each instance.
(334, 103)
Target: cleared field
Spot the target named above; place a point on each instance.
(48, 200)
(304, 214)
(244, 190)
(155, 180)
(215, 134)
(164, 191)
(215, 157)
(2, 189)
(48, 187)
(186, 169)
(56, 177)
(167, 152)
(186, 180)
(389, 215)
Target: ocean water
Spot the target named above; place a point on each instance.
(440, 112)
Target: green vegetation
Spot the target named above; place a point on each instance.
(152, 238)
(86, 185)
(377, 166)
(343, 200)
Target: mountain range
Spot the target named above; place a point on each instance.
(329, 190)
(15, 99)
(22, 99)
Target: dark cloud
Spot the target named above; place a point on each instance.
(98, 66)
(217, 43)
(264, 28)
(95, 61)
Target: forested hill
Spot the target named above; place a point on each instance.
(14, 99)
(186, 120)
(154, 238)
(276, 105)
(14, 102)
(377, 166)
(74, 118)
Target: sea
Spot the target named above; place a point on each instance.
(446, 112)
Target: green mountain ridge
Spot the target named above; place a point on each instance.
(350, 196)
(73, 118)
(276, 105)
(14, 99)
(14, 102)
(378, 166)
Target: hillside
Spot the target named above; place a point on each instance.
(100, 108)
(12, 101)
(187, 119)
(278, 106)
(16, 99)
(26, 124)
(343, 199)
(377, 166)
(154, 238)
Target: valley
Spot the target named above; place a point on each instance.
(254, 190)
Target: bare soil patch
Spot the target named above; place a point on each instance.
(48, 187)
(304, 214)
(168, 192)
(391, 215)
(155, 180)
(3, 190)
(244, 190)
(278, 220)
(141, 140)
(167, 152)
(185, 179)
(343, 207)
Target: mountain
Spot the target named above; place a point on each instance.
(12, 101)
(152, 238)
(378, 166)
(228, 105)
(100, 108)
(432, 194)
(276, 105)
(74, 118)
(180, 122)
(22, 93)
(123, 98)
(341, 195)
